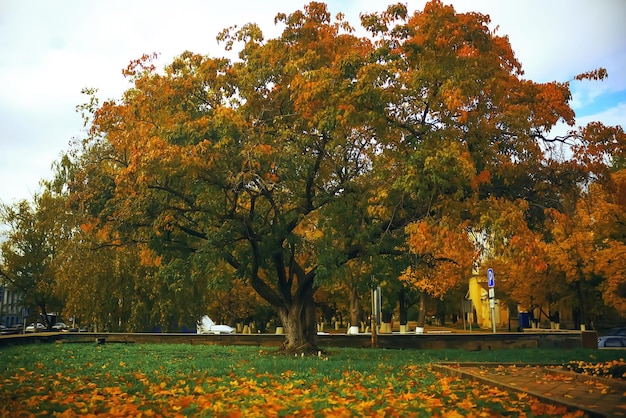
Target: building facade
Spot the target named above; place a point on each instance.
(481, 314)
(11, 308)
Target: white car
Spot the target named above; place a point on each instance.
(31, 327)
(59, 326)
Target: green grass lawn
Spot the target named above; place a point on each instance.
(82, 379)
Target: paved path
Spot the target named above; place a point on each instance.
(597, 397)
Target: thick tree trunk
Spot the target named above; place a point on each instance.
(421, 319)
(299, 324)
(403, 307)
(296, 310)
(582, 305)
(44, 317)
(355, 306)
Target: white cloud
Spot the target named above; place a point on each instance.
(611, 117)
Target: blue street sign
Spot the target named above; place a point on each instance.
(491, 281)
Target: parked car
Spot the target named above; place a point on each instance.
(612, 341)
(78, 329)
(621, 331)
(4, 330)
(59, 326)
(31, 327)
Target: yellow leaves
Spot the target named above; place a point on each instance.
(453, 99)
(587, 243)
(466, 404)
(611, 264)
(420, 237)
(378, 204)
(263, 149)
(308, 228)
(149, 258)
(443, 255)
(447, 169)
(515, 251)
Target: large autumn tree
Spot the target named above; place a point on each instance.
(443, 257)
(316, 148)
(213, 161)
(609, 210)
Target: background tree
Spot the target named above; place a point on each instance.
(443, 257)
(109, 281)
(609, 213)
(231, 302)
(572, 251)
(517, 254)
(31, 250)
(586, 246)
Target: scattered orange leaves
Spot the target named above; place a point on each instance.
(412, 391)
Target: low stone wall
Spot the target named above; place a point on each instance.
(426, 341)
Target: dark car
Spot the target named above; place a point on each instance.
(4, 330)
(620, 331)
(612, 341)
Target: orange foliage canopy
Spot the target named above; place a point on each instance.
(610, 212)
(319, 147)
(442, 253)
(515, 252)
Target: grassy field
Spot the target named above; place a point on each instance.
(124, 380)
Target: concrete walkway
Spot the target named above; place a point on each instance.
(596, 397)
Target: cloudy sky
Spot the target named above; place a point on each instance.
(50, 50)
